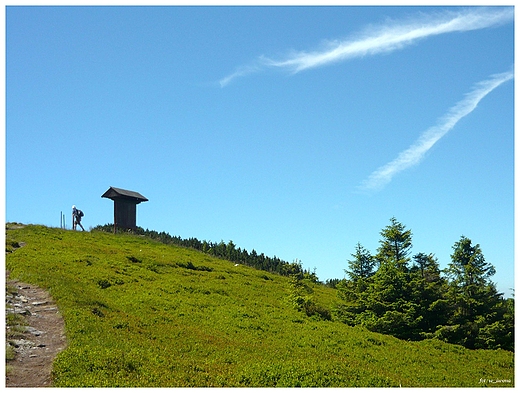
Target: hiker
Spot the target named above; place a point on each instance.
(76, 217)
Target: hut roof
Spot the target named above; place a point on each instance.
(118, 193)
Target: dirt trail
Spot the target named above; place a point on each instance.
(37, 344)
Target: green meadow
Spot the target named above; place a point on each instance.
(139, 313)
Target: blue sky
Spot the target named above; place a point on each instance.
(294, 131)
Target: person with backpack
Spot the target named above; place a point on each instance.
(76, 217)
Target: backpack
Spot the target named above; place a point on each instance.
(80, 213)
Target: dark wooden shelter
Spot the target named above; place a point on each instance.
(125, 206)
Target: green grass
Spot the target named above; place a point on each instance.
(141, 313)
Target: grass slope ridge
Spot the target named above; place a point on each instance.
(140, 313)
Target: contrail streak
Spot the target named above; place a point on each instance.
(383, 39)
(413, 155)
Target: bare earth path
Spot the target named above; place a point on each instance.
(38, 343)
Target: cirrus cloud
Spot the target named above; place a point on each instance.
(414, 154)
(382, 39)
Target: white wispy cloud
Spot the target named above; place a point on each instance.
(383, 39)
(241, 71)
(413, 155)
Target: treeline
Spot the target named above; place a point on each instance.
(228, 251)
(410, 297)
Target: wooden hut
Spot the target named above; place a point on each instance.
(125, 207)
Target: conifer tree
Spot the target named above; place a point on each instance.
(362, 266)
(390, 306)
(475, 301)
(353, 291)
(428, 291)
(383, 301)
(395, 245)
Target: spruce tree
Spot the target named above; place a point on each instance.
(475, 302)
(396, 244)
(428, 290)
(385, 303)
(362, 266)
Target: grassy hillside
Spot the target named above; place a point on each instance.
(141, 313)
